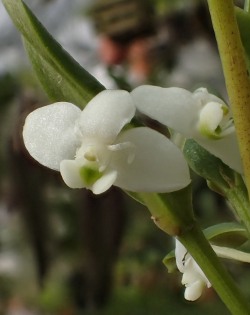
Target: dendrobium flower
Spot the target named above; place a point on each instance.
(199, 115)
(91, 149)
(193, 277)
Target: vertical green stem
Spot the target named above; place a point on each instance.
(235, 72)
(237, 196)
(247, 5)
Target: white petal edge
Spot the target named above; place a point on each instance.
(226, 149)
(180, 252)
(158, 165)
(106, 114)
(210, 117)
(49, 134)
(70, 171)
(174, 107)
(202, 96)
(194, 290)
(104, 183)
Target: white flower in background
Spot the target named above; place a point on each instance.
(193, 277)
(199, 115)
(91, 150)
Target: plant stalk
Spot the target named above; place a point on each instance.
(198, 246)
(236, 74)
(191, 236)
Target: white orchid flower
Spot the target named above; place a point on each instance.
(193, 277)
(91, 150)
(199, 115)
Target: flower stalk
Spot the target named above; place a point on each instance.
(237, 196)
(236, 75)
(174, 216)
(247, 5)
(201, 251)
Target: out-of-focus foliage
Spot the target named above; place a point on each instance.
(65, 77)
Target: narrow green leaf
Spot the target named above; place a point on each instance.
(61, 76)
(170, 262)
(247, 6)
(226, 234)
(208, 166)
(220, 178)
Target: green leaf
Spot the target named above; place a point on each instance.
(220, 178)
(170, 262)
(61, 76)
(208, 166)
(229, 234)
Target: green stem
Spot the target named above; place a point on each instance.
(247, 5)
(235, 72)
(237, 196)
(166, 208)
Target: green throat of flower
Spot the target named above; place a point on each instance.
(89, 175)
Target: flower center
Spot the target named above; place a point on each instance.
(89, 174)
(215, 121)
(96, 160)
(90, 156)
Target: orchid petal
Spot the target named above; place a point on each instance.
(180, 110)
(194, 290)
(158, 165)
(193, 272)
(202, 96)
(173, 107)
(49, 133)
(105, 182)
(210, 117)
(70, 171)
(105, 115)
(226, 149)
(180, 253)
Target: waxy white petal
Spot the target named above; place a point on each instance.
(179, 109)
(70, 171)
(226, 149)
(105, 115)
(49, 133)
(202, 97)
(193, 277)
(105, 182)
(210, 117)
(194, 291)
(158, 165)
(180, 253)
(173, 107)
